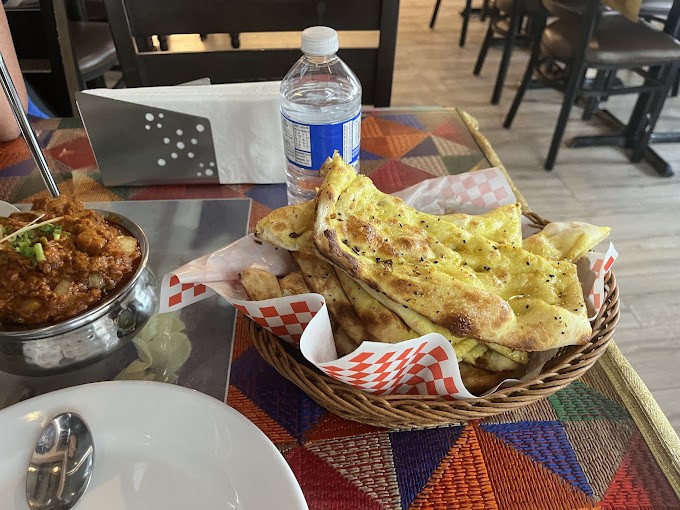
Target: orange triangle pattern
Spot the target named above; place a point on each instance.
(461, 481)
(332, 426)
(515, 477)
(275, 432)
(393, 146)
(369, 129)
(366, 461)
(460, 135)
(639, 483)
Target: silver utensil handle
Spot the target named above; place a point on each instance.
(26, 129)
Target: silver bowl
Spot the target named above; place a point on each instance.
(92, 335)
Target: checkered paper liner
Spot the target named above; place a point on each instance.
(425, 365)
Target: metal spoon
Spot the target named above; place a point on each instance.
(61, 464)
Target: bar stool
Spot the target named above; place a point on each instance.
(467, 11)
(605, 41)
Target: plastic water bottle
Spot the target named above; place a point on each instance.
(320, 113)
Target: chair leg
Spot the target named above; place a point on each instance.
(593, 102)
(676, 85)
(515, 19)
(485, 47)
(433, 20)
(466, 19)
(539, 24)
(576, 77)
(485, 10)
(646, 127)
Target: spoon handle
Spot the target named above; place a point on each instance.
(26, 129)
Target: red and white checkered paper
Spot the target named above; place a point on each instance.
(425, 365)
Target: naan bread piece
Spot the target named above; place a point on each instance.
(380, 322)
(321, 278)
(517, 356)
(468, 284)
(479, 381)
(502, 225)
(344, 344)
(288, 227)
(495, 362)
(294, 284)
(260, 284)
(565, 241)
(423, 326)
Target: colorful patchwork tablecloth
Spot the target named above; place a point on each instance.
(602, 442)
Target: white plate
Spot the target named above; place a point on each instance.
(157, 446)
(6, 209)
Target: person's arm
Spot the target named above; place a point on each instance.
(9, 129)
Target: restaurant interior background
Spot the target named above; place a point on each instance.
(598, 185)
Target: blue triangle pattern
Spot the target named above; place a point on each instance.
(270, 391)
(368, 156)
(408, 119)
(546, 443)
(417, 453)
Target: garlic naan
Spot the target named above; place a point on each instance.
(565, 241)
(470, 285)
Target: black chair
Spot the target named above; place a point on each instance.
(59, 52)
(467, 11)
(617, 43)
(506, 23)
(130, 19)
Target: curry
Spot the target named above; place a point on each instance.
(59, 260)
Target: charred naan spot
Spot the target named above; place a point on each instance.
(460, 325)
(294, 235)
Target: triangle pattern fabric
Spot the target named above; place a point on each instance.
(371, 165)
(275, 395)
(580, 402)
(332, 426)
(408, 119)
(595, 440)
(517, 491)
(546, 443)
(459, 134)
(538, 411)
(395, 176)
(449, 148)
(393, 146)
(323, 486)
(639, 482)
(369, 128)
(241, 338)
(432, 119)
(432, 165)
(88, 189)
(598, 380)
(425, 148)
(364, 155)
(464, 163)
(417, 453)
(461, 480)
(366, 461)
(275, 432)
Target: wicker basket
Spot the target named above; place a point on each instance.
(410, 411)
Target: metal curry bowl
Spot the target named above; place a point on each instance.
(91, 335)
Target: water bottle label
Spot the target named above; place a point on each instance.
(309, 145)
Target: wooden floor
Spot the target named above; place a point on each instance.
(597, 185)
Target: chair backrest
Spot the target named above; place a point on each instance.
(43, 45)
(130, 19)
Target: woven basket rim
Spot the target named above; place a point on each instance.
(399, 410)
